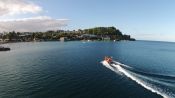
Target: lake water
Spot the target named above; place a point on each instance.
(75, 70)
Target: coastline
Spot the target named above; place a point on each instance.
(1, 43)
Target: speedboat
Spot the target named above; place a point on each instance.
(108, 59)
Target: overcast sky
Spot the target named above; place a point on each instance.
(142, 19)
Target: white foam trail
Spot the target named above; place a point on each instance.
(140, 82)
(118, 63)
(107, 65)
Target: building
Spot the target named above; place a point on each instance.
(63, 39)
(107, 38)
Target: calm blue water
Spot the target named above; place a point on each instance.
(74, 70)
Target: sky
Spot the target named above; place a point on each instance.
(142, 19)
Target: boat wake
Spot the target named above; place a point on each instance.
(155, 83)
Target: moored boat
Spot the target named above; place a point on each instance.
(4, 48)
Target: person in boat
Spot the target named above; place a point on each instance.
(108, 59)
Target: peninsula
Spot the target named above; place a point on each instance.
(97, 33)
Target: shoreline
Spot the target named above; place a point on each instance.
(65, 41)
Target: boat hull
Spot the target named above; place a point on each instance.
(4, 49)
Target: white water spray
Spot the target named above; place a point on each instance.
(137, 80)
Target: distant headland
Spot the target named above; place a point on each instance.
(94, 34)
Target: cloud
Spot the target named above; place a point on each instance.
(11, 7)
(33, 24)
(40, 23)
